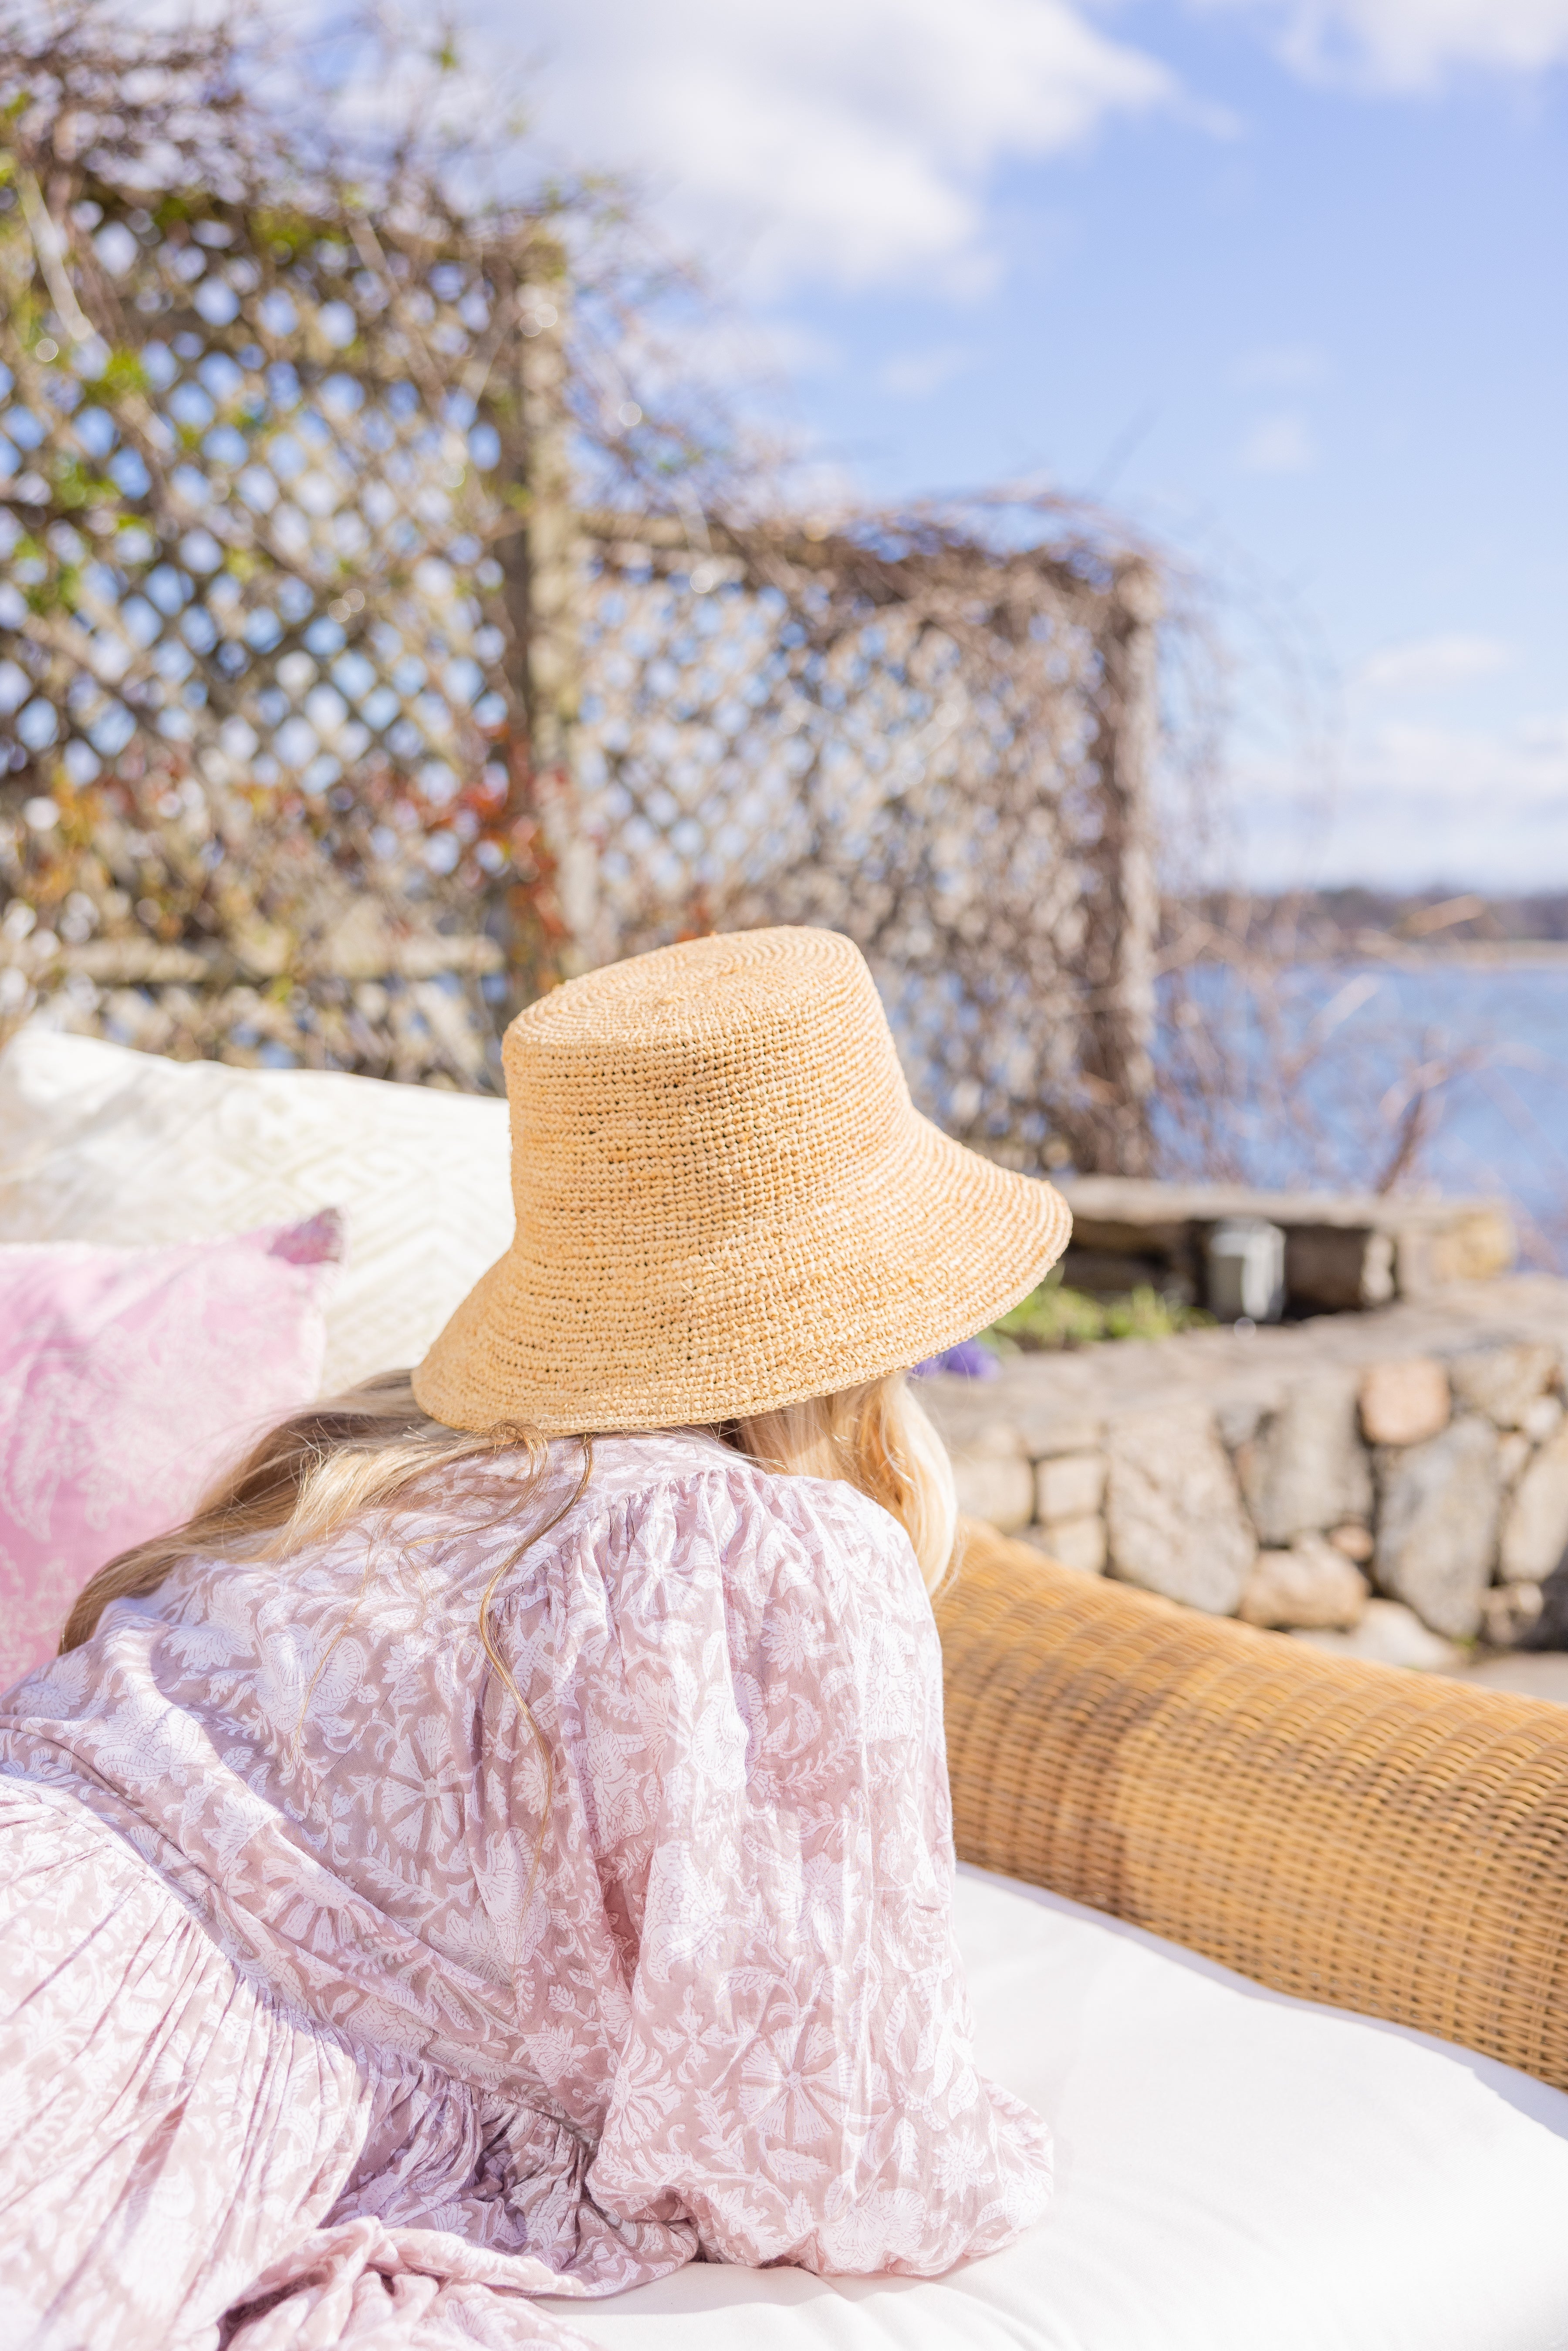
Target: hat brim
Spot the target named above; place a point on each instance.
(845, 1288)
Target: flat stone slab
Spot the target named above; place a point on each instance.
(1110, 1211)
(1342, 1250)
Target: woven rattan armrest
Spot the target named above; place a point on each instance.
(1379, 1840)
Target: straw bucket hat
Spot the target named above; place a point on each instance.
(725, 1201)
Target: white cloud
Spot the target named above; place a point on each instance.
(1416, 804)
(1487, 807)
(1278, 444)
(845, 141)
(1488, 772)
(1431, 664)
(916, 375)
(1412, 45)
(833, 142)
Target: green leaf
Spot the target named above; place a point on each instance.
(124, 374)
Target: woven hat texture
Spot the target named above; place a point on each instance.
(725, 1201)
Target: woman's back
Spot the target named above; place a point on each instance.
(744, 1862)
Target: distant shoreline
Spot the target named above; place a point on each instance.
(1414, 932)
(1491, 954)
(1402, 954)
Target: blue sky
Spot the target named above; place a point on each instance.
(1288, 285)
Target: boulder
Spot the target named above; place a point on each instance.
(1436, 1524)
(1513, 1452)
(1390, 1635)
(995, 1478)
(1550, 1630)
(1072, 1542)
(1404, 1403)
(1309, 1584)
(1238, 1419)
(1510, 1614)
(1046, 1427)
(1072, 1486)
(1504, 1380)
(1453, 1242)
(1354, 1541)
(1173, 1515)
(1307, 1469)
(1535, 1528)
(1542, 1420)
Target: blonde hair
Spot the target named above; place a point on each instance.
(877, 1439)
(355, 1455)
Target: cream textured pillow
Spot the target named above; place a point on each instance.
(100, 1144)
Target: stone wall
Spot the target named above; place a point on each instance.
(1389, 1484)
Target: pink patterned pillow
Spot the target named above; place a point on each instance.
(128, 1376)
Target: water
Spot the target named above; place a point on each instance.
(1491, 1040)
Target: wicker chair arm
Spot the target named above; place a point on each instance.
(1350, 1834)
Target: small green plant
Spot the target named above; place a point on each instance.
(1054, 1316)
(1149, 1313)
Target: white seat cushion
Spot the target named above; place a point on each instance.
(1236, 2171)
(100, 1144)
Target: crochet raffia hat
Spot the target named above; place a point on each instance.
(725, 1201)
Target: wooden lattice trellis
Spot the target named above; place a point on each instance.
(331, 731)
(907, 735)
(266, 570)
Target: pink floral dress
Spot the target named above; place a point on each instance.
(309, 2035)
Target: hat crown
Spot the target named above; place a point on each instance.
(714, 1079)
(726, 1200)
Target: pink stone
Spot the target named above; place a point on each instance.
(1404, 1403)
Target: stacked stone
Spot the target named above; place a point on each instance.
(1393, 1506)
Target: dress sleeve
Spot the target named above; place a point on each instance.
(798, 2075)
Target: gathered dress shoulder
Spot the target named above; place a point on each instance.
(364, 1977)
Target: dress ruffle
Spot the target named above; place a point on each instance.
(253, 2179)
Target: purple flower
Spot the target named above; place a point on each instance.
(968, 1361)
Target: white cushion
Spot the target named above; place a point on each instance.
(100, 1144)
(1236, 2171)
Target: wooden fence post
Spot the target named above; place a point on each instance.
(1118, 1057)
(542, 561)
